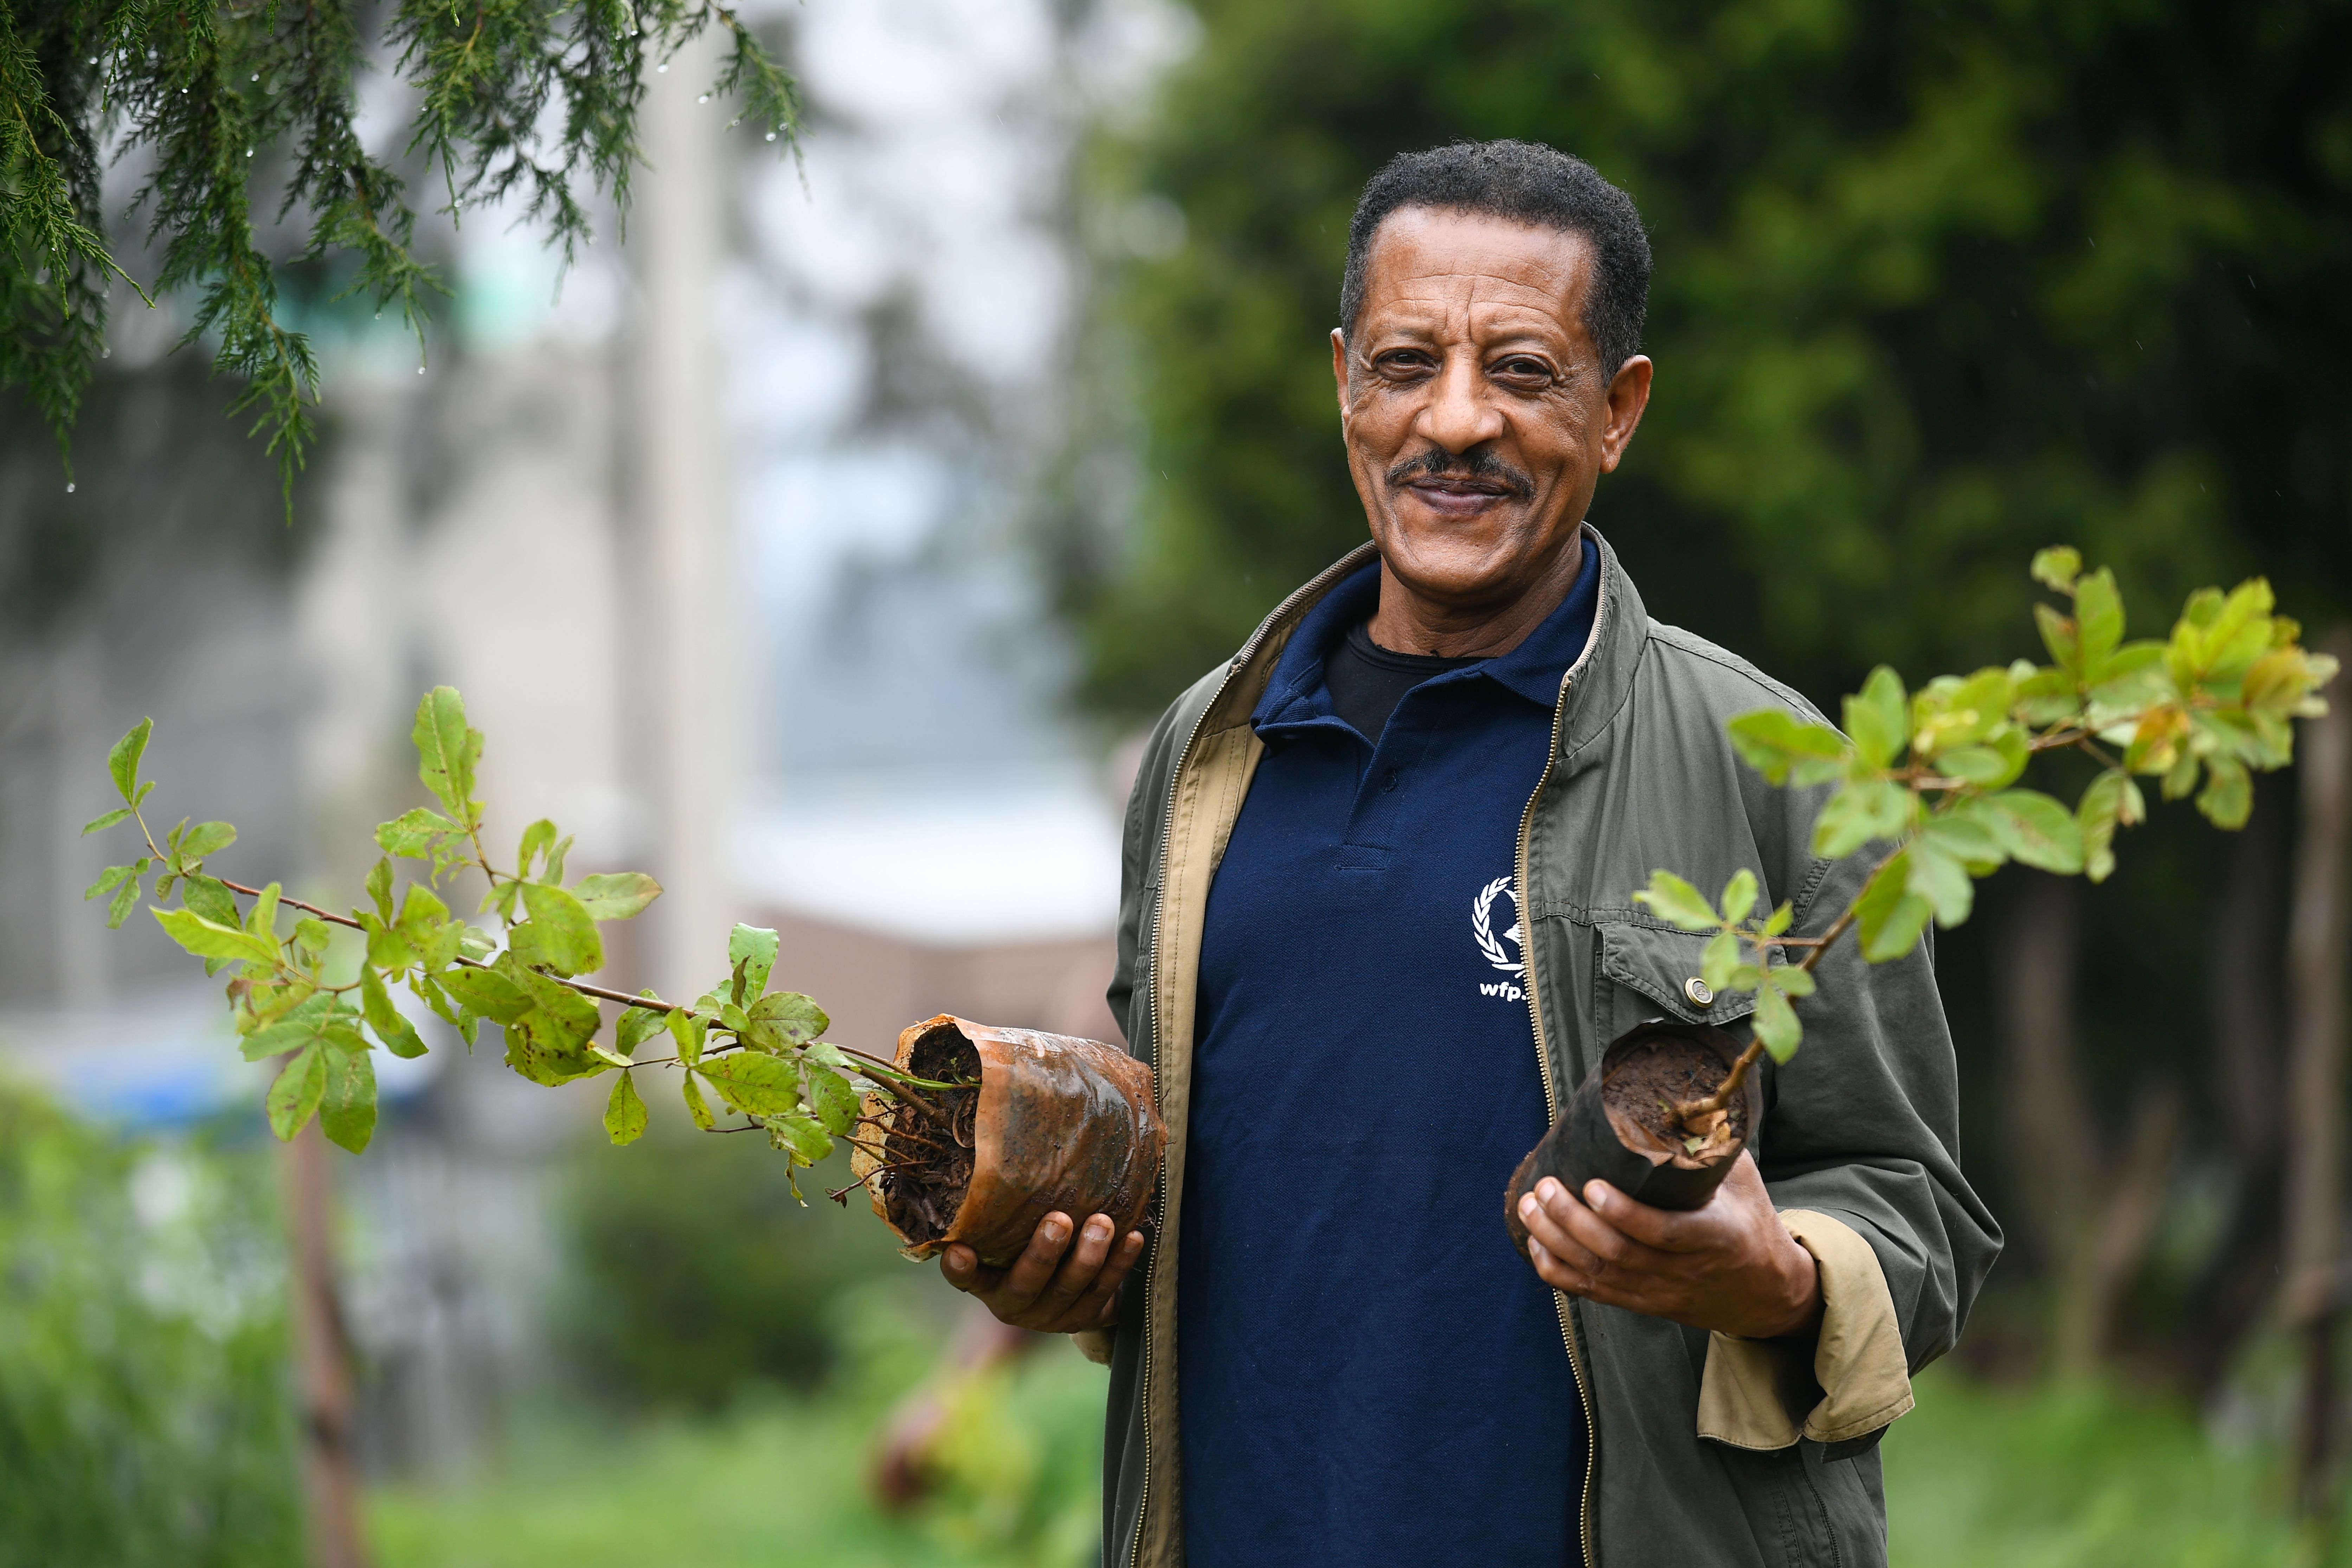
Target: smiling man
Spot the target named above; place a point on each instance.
(1378, 923)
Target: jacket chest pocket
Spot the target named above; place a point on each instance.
(1650, 972)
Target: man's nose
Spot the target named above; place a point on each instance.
(1458, 414)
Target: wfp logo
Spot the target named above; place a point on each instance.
(1481, 926)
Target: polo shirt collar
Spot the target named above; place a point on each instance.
(1296, 693)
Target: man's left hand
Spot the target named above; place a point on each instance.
(1729, 1265)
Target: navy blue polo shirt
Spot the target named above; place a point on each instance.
(1370, 1373)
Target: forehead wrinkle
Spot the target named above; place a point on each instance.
(1459, 315)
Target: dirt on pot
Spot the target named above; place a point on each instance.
(1028, 1123)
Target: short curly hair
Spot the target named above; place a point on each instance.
(1526, 183)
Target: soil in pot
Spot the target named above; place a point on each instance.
(1658, 1073)
(1032, 1123)
(929, 1156)
(1623, 1125)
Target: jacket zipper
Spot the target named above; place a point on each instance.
(1551, 1113)
(1345, 564)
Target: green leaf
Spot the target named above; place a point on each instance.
(1671, 899)
(573, 1017)
(2057, 567)
(832, 1100)
(624, 1112)
(379, 890)
(112, 877)
(207, 940)
(1879, 718)
(306, 1024)
(118, 909)
(2059, 637)
(294, 1096)
(414, 833)
(398, 1035)
(2099, 619)
(434, 997)
(752, 1083)
(1738, 896)
(1776, 1024)
(210, 898)
(122, 761)
(800, 1136)
(206, 838)
(2034, 830)
(1938, 876)
(695, 1105)
(784, 1019)
(1778, 744)
(752, 949)
(635, 1026)
(1791, 980)
(312, 933)
(1888, 916)
(1863, 810)
(1721, 957)
(617, 895)
(488, 993)
(261, 921)
(688, 1030)
(446, 752)
(1963, 832)
(2228, 798)
(120, 814)
(2111, 801)
(1779, 918)
(560, 933)
(1991, 765)
(347, 1109)
(536, 838)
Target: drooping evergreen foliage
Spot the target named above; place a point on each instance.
(244, 114)
(1936, 286)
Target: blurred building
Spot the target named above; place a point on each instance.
(720, 543)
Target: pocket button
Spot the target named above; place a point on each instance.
(1700, 992)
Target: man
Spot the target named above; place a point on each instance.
(1377, 923)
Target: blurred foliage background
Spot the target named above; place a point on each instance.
(145, 1413)
(1937, 284)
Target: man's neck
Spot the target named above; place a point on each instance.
(1407, 622)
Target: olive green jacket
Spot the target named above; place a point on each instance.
(1705, 1449)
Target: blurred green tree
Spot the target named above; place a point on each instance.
(1936, 286)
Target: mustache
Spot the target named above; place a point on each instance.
(1437, 463)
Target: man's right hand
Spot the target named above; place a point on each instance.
(1054, 1287)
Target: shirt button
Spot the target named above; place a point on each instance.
(1700, 992)
(1390, 783)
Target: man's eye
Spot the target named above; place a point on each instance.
(1402, 362)
(1524, 370)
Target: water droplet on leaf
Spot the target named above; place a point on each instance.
(771, 136)
(704, 99)
(69, 489)
(661, 68)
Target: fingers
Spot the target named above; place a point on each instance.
(1661, 1228)
(1033, 1272)
(1079, 1271)
(1542, 1212)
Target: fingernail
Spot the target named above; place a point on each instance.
(1547, 1189)
(1054, 1230)
(1097, 1229)
(1596, 1193)
(1528, 1206)
(1536, 1250)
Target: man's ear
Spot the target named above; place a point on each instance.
(1340, 369)
(1628, 395)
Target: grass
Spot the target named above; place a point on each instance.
(2075, 1478)
(1976, 1478)
(780, 1482)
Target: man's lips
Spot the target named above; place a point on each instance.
(1457, 497)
